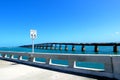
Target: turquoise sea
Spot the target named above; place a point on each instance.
(88, 50)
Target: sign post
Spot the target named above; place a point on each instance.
(33, 35)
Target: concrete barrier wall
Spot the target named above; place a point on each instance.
(116, 66)
(111, 62)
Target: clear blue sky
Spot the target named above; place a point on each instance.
(59, 21)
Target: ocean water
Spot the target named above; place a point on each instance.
(88, 50)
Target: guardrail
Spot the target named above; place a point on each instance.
(111, 62)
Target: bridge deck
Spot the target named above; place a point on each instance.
(15, 71)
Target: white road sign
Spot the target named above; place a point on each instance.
(33, 34)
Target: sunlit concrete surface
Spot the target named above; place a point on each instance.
(15, 71)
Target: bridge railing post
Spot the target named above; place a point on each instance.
(19, 57)
(116, 66)
(108, 67)
(4, 55)
(31, 58)
(11, 56)
(48, 61)
(72, 64)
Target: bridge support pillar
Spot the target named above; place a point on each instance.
(115, 48)
(96, 48)
(60, 47)
(46, 47)
(73, 47)
(42, 47)
(51, 47)
(66, 47)
(39, 47)
(83, 48)
(55, 47)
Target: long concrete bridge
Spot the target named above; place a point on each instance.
(111, 62)
(52, 46)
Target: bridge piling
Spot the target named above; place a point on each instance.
(83, 48)
(42, 46)
(115, 48)
(96, 48)
(51, 47)
(39, 47)
(60, 47)
(73, 47)
(66, 47)
(46, 46)
(55, 47)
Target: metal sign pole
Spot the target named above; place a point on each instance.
(33, 35)
(32, 45)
